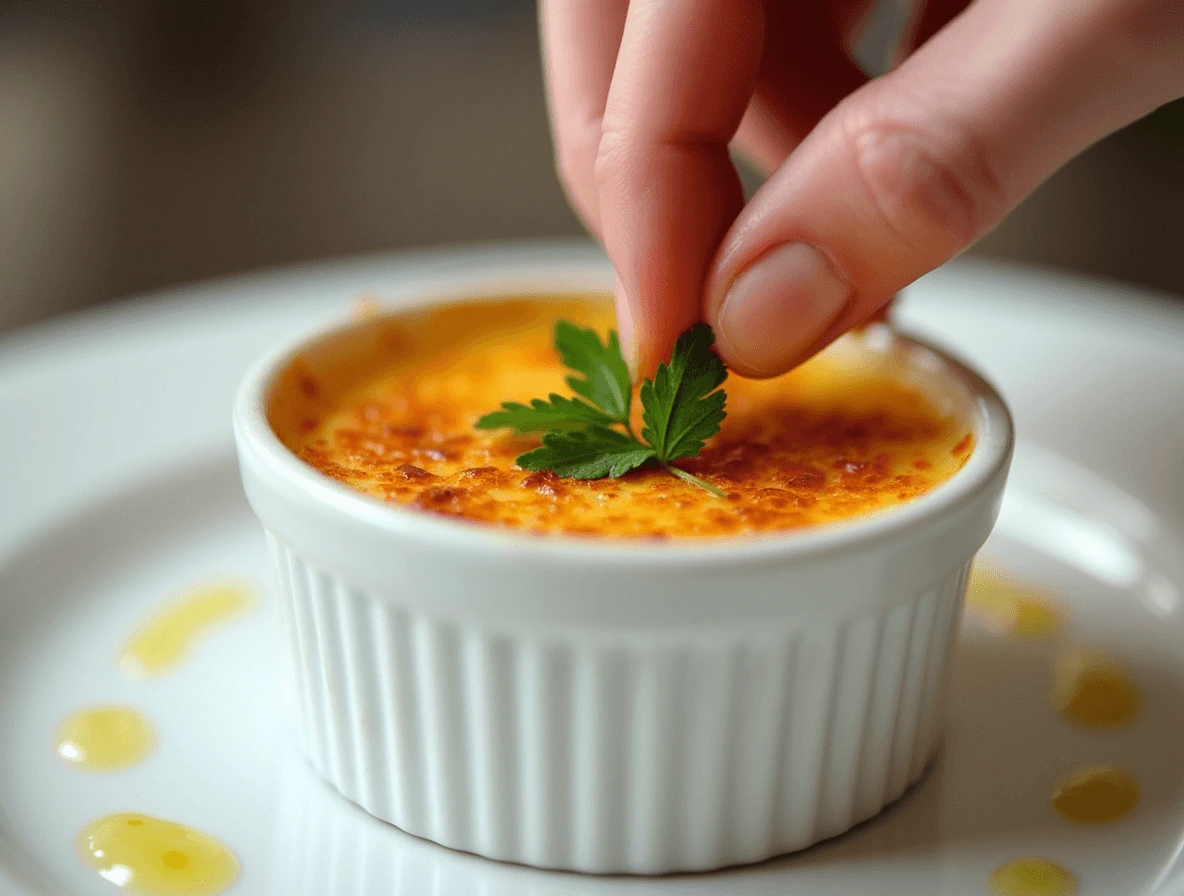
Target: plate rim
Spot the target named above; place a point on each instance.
(1093, 292)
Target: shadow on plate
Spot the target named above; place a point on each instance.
(114, 534)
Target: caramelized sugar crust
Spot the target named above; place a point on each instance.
(842, 436)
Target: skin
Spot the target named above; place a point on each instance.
(871, 183)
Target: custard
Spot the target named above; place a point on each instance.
(388, 409)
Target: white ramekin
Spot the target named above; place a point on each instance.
(607, 706)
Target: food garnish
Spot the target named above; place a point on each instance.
(591, 435)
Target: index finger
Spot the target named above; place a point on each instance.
(667, 189)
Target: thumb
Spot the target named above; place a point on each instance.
(908, 170)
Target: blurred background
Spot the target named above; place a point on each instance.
(146, 143)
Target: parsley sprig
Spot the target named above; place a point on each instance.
(591, 435)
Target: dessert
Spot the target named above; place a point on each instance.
(849, 433)
(709, 681)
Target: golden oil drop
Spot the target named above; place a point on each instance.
(165, 640)
(104, 738)
(1093, 689)
(1095, 794)
(148, 856)
(1010, 608)
(1031, 877)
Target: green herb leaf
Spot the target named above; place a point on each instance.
(681, 410)
(605, 380)
(592, 453)
(556, 413)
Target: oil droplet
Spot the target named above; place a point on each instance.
(163, 642)
(104, 738)
(1011, 608)
(1091, 688)
(1095, 794)
(149, 856)
(1031, 877)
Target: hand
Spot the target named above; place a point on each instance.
(873, 182)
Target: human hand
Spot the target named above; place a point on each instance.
(873, 183)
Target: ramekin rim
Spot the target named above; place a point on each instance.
(994, 442)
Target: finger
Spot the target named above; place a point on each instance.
(908, 170)
(667, 187)
(580, 41)
(804, 71)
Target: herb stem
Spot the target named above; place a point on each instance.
(694, 480)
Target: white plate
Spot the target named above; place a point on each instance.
(118, 488)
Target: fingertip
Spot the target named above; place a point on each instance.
(626, 329)
(653, 349)
(654, 337)
(650, 354)
(775, 311)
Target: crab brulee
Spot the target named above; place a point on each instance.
(389, 410)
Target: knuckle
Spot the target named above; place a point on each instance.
(575, 158)
(575, 155)
(933, 186)
(612, 156)
(574, 165)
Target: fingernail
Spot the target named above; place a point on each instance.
(626, 330)
(778, 307)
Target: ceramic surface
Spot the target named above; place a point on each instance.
(92, 541)
(615, 707)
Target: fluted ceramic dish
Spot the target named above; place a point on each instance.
(612, 706)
